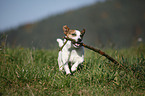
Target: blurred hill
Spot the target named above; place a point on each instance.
(114, 23)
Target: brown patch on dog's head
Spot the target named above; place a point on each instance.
(72, 33)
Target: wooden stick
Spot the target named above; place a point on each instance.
(94, 49)
(63, 45)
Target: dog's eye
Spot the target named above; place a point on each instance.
(73, 34)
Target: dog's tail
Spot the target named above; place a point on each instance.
(60, 42)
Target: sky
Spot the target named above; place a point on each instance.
(14, 13)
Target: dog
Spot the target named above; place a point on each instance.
(72, 53)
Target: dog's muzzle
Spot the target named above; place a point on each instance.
(76, 45)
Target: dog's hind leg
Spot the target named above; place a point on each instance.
(60, 63)
(66, 68)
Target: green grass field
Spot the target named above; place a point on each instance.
(35, 72)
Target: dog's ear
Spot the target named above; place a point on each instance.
(83, 32)
(65, 29)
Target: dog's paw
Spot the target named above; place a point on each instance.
(69, 74)
(73, 69)
(60, 42)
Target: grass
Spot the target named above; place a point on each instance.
(35, 72)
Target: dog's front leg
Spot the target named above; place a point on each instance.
(75, 66)
(66, 68)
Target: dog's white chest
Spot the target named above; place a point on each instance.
(76, 55)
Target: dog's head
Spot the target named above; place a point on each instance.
(74, 34)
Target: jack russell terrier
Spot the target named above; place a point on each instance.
(72, 52)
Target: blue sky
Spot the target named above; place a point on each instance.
(17, 12)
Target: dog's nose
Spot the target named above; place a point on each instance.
(79, 40)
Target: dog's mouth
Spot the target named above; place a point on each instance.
(76, 45)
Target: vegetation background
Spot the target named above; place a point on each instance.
(113, 23)
(28, 64)
(35, 72)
